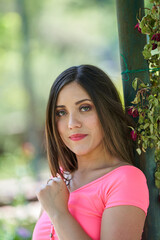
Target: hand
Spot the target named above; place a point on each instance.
(53, 197)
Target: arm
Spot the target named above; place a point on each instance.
(122, 223)
(67, 228)
(126, 206)
(118, 223)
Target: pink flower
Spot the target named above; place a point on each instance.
(130, 110)
(154, 46)
(156, 37)
(137, 26)
(135, 113)
(133, 135)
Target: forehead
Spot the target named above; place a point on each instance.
(72, 92)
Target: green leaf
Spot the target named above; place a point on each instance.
(151, 118)
(157, 183)
(146, 125)
(154, 1)
(151, 128)
(144, 144)
(157, 179)
(150, 97)
(157, 175)
(156, 102)
(145, 30)
(138, 151)
(142, 85)
(134, 83)
(147, 51)
(155, 51)
(137, 98)
(141, 119)
(146, 54)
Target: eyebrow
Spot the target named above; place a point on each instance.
(78, 102)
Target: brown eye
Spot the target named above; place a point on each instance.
(61, 113)
(85, 108)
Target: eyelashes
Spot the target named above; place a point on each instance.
(83, 108)
(60, 113)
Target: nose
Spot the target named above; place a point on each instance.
(74, 122)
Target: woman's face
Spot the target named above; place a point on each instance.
(77, 120)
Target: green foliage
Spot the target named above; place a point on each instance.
(16, 230)
(17, 163)
(147, 51)
(147, 99)
(10, 24)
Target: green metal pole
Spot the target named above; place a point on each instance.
(131, 44)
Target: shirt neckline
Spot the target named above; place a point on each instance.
(100, 178)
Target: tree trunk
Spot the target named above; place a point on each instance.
(27, 78)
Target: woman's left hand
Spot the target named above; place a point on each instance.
(54, 197)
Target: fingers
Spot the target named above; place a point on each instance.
(55, 179)
(51, 182)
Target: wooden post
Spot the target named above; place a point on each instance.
(131, 44)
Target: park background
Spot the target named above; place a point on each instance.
(38, 40)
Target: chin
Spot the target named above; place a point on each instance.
(80, 152)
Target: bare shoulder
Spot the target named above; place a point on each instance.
(119, 164)
(122, 223)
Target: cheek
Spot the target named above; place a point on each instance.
(95, 126)
(61, 127)
(93, 122)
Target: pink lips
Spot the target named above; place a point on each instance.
(77, 137)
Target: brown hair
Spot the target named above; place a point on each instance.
(109, 108)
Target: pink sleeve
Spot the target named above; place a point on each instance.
(128, 187)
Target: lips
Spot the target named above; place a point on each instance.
(77, 137)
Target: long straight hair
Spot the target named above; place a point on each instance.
(114, 121)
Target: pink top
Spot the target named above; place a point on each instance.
(125, 185)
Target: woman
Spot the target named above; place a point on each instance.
(95, 193)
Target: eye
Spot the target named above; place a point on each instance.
(85, 108)
(61, 113)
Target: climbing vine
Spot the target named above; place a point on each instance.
(146, 104)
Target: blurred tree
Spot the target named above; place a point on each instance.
(27, 77)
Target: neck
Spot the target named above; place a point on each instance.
(95, 160)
